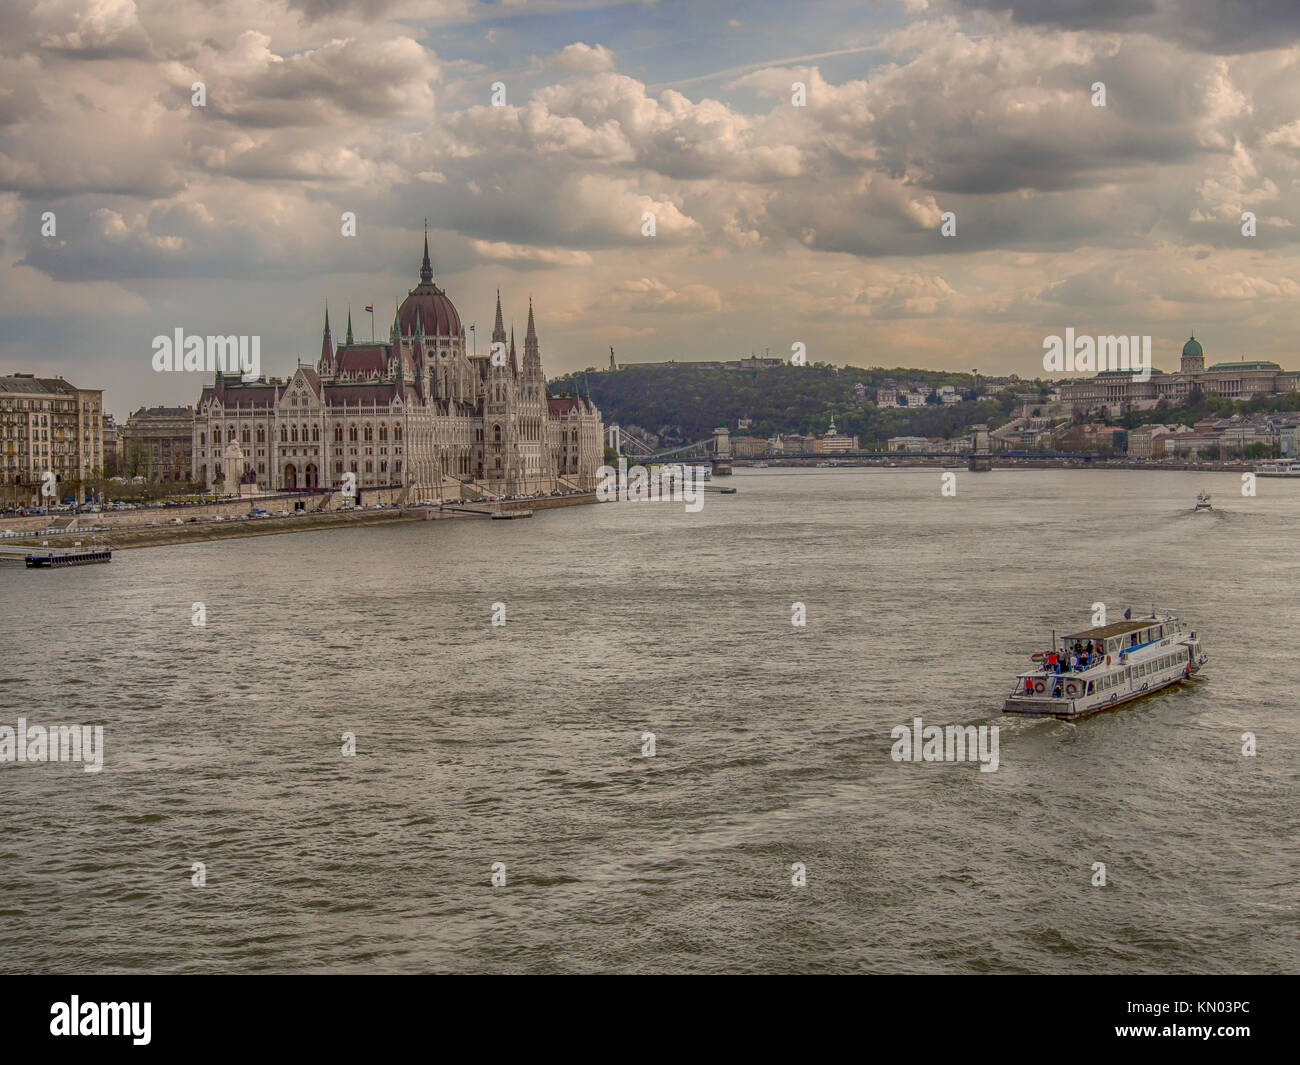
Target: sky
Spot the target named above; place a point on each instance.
(777, 221)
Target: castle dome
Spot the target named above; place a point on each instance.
(1192, 349)
(429, 306)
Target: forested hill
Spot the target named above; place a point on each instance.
(680, 402)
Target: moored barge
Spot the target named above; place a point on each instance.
(61, 558)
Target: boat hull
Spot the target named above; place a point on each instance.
(1070, 710)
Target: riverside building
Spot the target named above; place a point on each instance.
(416, 411)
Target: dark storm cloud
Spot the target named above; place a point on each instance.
(1224, 27)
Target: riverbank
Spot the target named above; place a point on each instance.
(126, 537)
(1000, 462)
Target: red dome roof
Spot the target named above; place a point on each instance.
(427, 302)
(437, 313)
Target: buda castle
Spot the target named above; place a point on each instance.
(1118, 390)
(416, 412)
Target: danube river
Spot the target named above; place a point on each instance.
(522, 744)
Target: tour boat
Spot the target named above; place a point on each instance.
(1278, 469)
(1202, 502)
(1129, 659)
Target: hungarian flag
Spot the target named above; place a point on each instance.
(471, 328)
(371, 308)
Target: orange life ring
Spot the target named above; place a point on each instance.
(1071, 689)
(1038, 686)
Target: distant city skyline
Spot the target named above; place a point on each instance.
(775, 224)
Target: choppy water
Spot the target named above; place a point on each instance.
(522, 744)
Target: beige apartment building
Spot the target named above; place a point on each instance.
(47, 425)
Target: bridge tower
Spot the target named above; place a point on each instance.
(981, 456)
(722, 452)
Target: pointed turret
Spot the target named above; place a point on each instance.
(532, 353)
(348, 341)
(499, 330)
(514, 359)
(326, 345)
(397, 325)
(426, 267)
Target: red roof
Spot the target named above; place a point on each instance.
(437, 314)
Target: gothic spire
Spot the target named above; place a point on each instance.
(532, 353)
(349, 339)
(499, 330)
(426, 268)
(326, 343)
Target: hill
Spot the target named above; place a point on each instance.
(681, 402)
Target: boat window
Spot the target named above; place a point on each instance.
(1089, 687)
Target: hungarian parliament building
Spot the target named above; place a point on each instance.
(415, 412)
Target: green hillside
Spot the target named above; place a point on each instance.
(681, 402)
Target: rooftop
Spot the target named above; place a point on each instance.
(1116, 628)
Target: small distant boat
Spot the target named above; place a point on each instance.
(823, 465)
(1278, 469)
(1202, 502)
(760, 465)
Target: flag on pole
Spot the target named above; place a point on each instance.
(371, 308)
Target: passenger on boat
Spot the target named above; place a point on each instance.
(1052, 664)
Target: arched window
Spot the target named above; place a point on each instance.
(370, 433)
(383, 434)
(315, 434)
(397, 432)
(294, 434)
(203, 439)
(261, 435)
(284, 434)
(246, 436)
(352, 435)
(496, 436)
(338, 433)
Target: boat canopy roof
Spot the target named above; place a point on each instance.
(1118, 628)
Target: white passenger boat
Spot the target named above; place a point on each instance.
(1278, 469)
(1104, 667)
(1202, 502)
